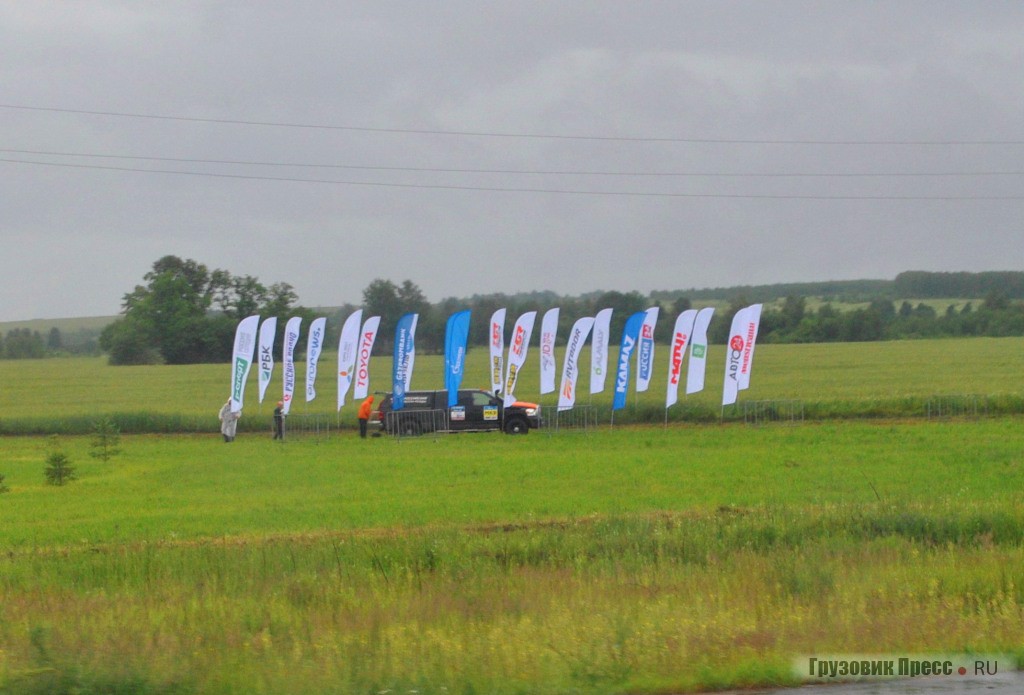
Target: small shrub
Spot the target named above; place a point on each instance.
(3, 487)
(105, 439)
(58, 466)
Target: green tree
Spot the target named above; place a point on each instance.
(390, 301)
(58, 470)
(279, 300)
(127, 342)
(23, 343)
(54, 341)
(186, 313)
(246, 296)
(169, 313)
(996, 300)
(793, 311)
(105, 440)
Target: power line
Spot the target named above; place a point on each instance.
(497, 134)
(645, 194)
(531, 172)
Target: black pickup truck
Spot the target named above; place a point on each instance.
(475, 411)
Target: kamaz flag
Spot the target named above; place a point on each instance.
(630, 334)
(455, 338)
(405, 355)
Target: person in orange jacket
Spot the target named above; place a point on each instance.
(364, 415)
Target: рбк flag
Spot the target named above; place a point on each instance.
(548, 329)
(456, 336)
(570, 367)
(518, 346)
(291, 338)
(347, 347)
(245, 346)
(367, 337)
(629, 337)
(680, 341)
(314, 344)
(599, 343)
(698, 351)
(404, 358)
(645, 350)
(268, 331)
(497, 338)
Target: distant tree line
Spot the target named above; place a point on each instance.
(928, 285)
(25, 343)
(883, 319)
(842, 291)
(915, 283)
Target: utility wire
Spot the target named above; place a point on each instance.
(497, 134)
(524, 172)
(646, 194)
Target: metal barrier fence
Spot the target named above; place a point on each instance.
(413, 423)
(956, 406)
(761, 412)
(305, 425)
(581, 417)
(586, 418)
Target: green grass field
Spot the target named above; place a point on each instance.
(626, 559)
(845, 379)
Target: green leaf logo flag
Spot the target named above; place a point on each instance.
(245, 346)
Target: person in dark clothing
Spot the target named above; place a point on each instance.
(279, 421)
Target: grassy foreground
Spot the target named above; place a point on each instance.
(635, 560)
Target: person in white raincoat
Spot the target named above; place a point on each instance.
(229, 422)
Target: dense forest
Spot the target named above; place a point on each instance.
(187, 313)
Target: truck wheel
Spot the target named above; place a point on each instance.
(517, 425)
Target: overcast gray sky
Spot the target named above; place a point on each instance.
(477, 147)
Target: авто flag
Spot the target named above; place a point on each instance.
(753, 323)
(739, 352)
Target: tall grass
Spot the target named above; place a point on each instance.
(619, 604)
